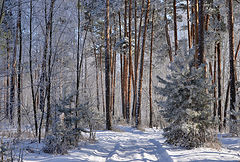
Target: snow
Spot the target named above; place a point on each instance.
(230, 151)
(204, 154)
(128, 144)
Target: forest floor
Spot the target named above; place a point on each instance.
(128, 144)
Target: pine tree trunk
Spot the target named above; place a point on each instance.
(7, 84)
(114, 84)
(13, 78)
(210, 70)
(97, 76)
(85, 75)
(189, 27)
(31, 73)
(107, 69)
(192, 22)
(78, 58)
(236, 62)
(139, 100)
(36, 77)
(226, 106)
(125, 67)
(130, 60)
(201, 33)
(213, 76)
(2, 9)
(114, 68)
(43, 75)
(137, 56)
(235, 57)
(4, 83)
(150, 75)
(232, 63)
(220, 117)
(238, 48)
(101, 70)
(207, 22)
(43, 78)
(48, 117)
(175, 26)
(135, 63)
(19, 90)
(196, 32)
(5, 99)
(111, 67)
(220, 114)
(214, 83)
(167, 33)
(79, 65)
(121, 63)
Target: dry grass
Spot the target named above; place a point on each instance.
(214, 145)
(115, 129)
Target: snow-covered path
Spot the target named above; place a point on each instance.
(131, 145)
(127, 145)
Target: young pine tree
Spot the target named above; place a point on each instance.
(187, 107)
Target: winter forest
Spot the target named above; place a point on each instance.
(119, 80)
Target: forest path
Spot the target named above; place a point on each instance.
(125, 145)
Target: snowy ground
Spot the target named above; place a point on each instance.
(134, 145)
(230, 151)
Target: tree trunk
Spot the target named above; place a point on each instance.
(78, 58)
(31, 73)
(196, 32)
(79, 65)
(44, 67)
(189, 27)
(232, 64)
(103, 102)
(238, 48)
(167, 34)
(97, 77)
(114, 68)
(220, 117)
(13, 78)
(150, 75)
(207, 22)
(214, 83)
(19, 90)
(125, 67)
(137, 55)
(175, 26)
(192, 22)
(226, 106)
(235, 57)
(107, 69)
(85, 75)
(138, 108)
(201, 33)
(135, 62)
(121, 64)
(111, 67)
(130, 60)
(7, 85)
(2, 10)
(48, 118)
